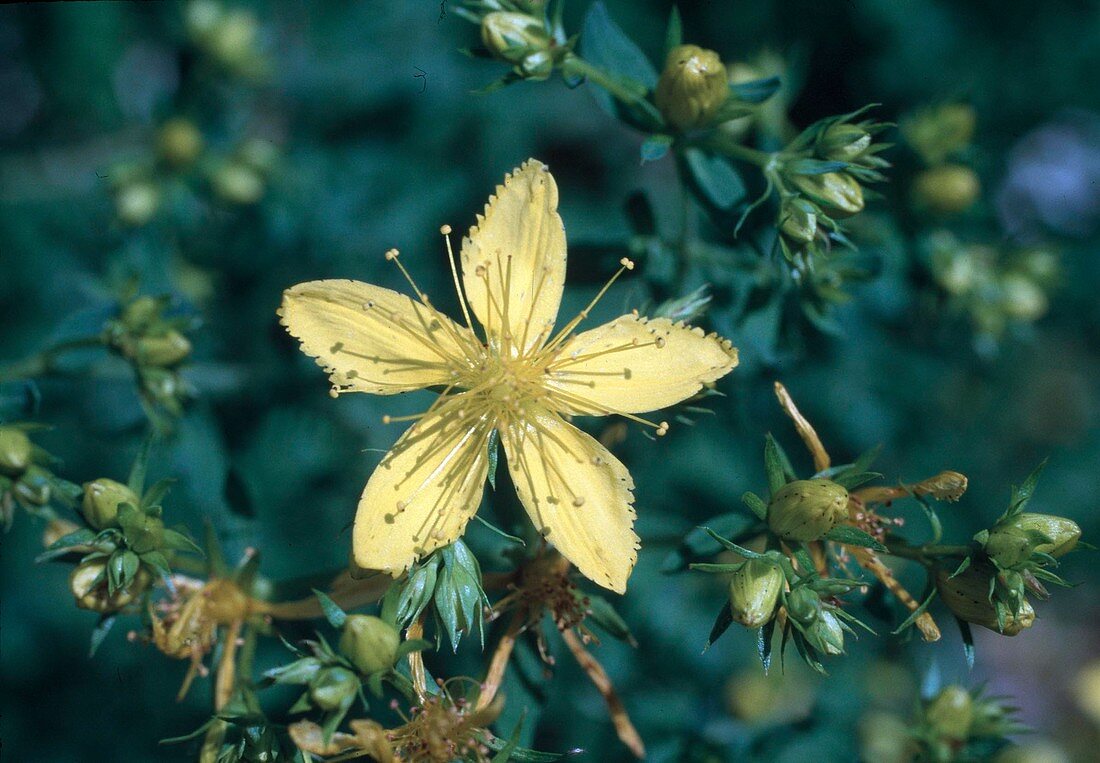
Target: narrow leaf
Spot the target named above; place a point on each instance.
(336, 617)
(853, 536)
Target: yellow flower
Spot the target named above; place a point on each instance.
(524, 381)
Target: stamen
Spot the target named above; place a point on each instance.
(446, 231)
(624, 265)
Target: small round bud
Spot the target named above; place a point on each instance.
(15, 451)
(136, 203)
(141, 313)
(798, 221)
(754, 592)
(946, 190)
(232, 37)
(333, 688)
(163, 350)
(238, 183)
(967, 595)
(843, 143)
(1015, 539)
(513, 37)
(1022, 298)
(370, 643)
(803, 605)
(838, 193)
(179, 142)
(102, 498)
(88, 584)
(825, 633)
(950, 713)
(692, 87)
(804, 510)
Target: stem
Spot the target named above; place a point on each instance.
(44, 361)
(922, 554)
(494, 676)
(574, 65)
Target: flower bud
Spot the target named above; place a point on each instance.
(754, 592)
(333, 688)
(162, 350)
(798, 221)
(232, 37)
(145, 534)
(1015, 539)
(804, 510)
(692, 87)
(101, 500)
(88, 583)
(136, 203)
(179, 142)
(837, 192)
(1022, 298)
(238, 183)
(967, 595)
(370, 643)
(512, 37)
(946, 190)
(803, 605)
(15, 451)
(950, 713)
(141, 313)
(825, 633)
(843, 143)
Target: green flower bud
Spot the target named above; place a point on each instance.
(692, 87)
(1015, 539)
(88, 584)
(950, 713)
(837, 192)
(232, 37)
(843, 143)
(967, 596)
(141, 313)
(101, 500)
(1022, 298)
(238, 183)
(512, 37)
(803, 605)
(144, 532)
(804, 510)
(333, 688)
(163, 350)
(825, 633)
(754, 592)
(15, 451)
(946, 190)
(370, 643)
(798, 221)
(179, 142)
(940, 131)
(136, 203)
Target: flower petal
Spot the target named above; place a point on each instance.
(632, 365)
(424, 491)
(576, 493)
(519, 242)
(371, 339)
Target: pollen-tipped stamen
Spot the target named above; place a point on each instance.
(624, 265)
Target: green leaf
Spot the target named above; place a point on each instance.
(933, 519)
(756, 91)
(299, 672)
(99, 633)
(968, 641)
(915, 613)
(813, 166)
(604, 44)
(177, 541)
(412, 645)
(852, 480)
(853, 536)
(1022, 495)
(446, 606)
(655, 147)
(674, 32)
(521, 754)
(776, 465)
(507, 536)
(416, 592)
(154, 494)
(731, 546)
(718, 569)
(698, 544)
(604, 615)
(336, 617)
(715, 180)
(136, 481)
(764, 644)
(61, 546)
(756, 505)
(494, 457)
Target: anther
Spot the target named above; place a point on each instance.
(392, 254)
(334, 393)
(627, 263)
(662, 429)
(578, 501)
(336, 347)
(445, 229)
(660, 342)
(387, 419)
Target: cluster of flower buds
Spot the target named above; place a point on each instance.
(155, 345)
(822, 174)
(994, 288)
(956, 719)
(25, 477)
(941, 136)
(519, 33)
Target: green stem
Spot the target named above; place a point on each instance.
(926, 554)
(574, 65)
(44, 362)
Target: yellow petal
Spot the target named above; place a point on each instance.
(632, 365)
(371, 339)
(425, 489)
(576, 493)
(520, 241)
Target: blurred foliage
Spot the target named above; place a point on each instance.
(220, 154)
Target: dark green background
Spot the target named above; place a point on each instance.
(375, 156)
